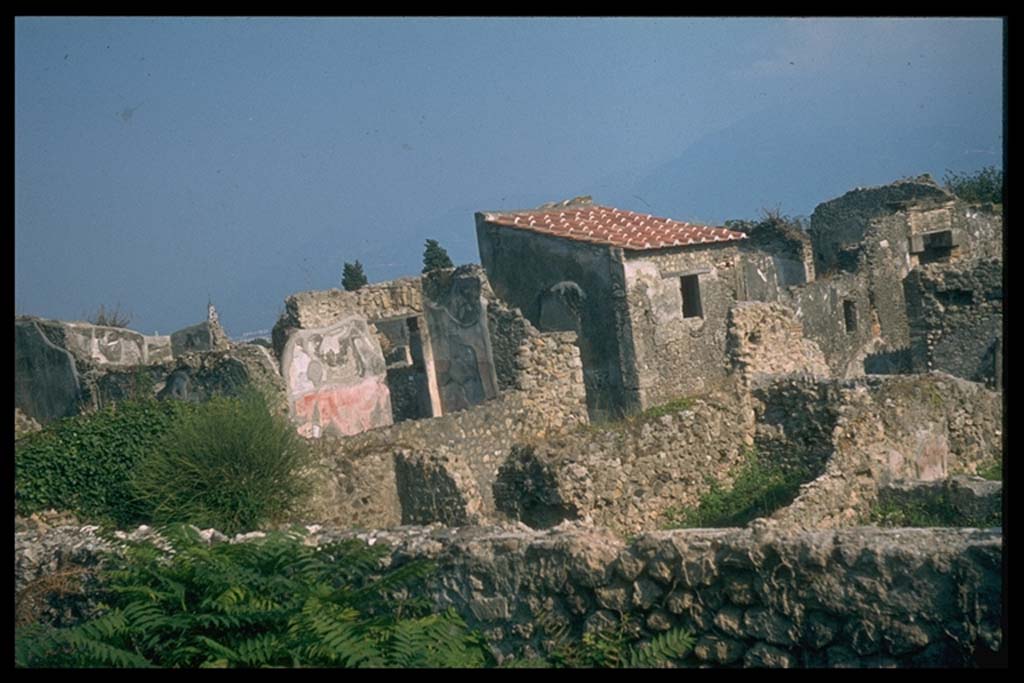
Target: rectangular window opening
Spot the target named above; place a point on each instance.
(690, 287)
(850, 315)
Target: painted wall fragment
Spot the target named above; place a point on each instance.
(336, 379)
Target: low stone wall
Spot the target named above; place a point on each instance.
(971, 501)
(886, 428)
(627, 475)
(852, 598)
(956, 319)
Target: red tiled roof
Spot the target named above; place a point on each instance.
(614, 227)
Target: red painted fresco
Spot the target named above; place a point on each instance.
(350, 409)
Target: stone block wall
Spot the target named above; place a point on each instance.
(837, 314)
(839, 226)
(884, 428)
(673, 355)
(849, 598)
(767, 339)
(443, 468)
(956, 319)
(322, 308)
(526, 269)
(627, 475)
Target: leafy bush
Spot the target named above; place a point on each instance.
(759, 488)
(272, 602)
(228, 464)
(84, 463)
(982, 186)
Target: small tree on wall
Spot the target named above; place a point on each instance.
(353, 277)
(435, 256)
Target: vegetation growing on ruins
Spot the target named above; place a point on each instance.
(277, 601)
(110, 318)
(769, 217)
(228, 464)
(435, 257)
(982, 186)
(759, 488)
(932, 513)
(352, 276)
(672, 407)
(614, 647)
(84, 463)
(269, 602)
(993, 470)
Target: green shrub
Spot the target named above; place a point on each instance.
(982, 186)
(934, 512)
(228, 464)
(84, 464)
(759, 488)
(272, 602)
(993, 470)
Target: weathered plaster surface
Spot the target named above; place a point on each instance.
(336, 379)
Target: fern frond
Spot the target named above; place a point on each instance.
(662, 649)
(259, 651)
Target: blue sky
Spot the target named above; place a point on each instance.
(161, 161)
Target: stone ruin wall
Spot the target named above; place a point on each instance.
(627, 475)
(659, 337)
(956, 319)
(322, 308)
(443, 468)
(879, 429)
(66, 368)
(861, 597)
(768, 339)
(848, 438)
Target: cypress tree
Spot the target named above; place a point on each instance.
(435, 256)
(353, 277)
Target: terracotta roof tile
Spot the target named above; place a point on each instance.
(614, 227)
